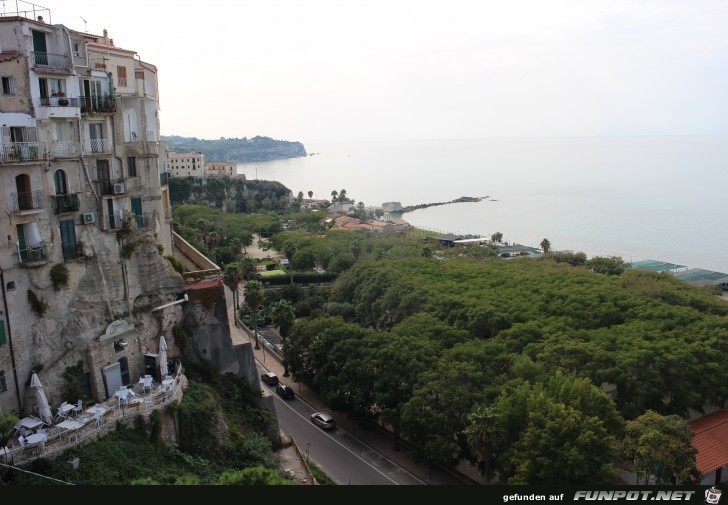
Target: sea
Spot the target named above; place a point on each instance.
(642, 198)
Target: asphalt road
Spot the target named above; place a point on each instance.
(342, 457)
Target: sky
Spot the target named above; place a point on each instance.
(349, 70)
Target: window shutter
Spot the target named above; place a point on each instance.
(2, 332)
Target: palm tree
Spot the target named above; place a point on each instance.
(310, 195)
(496, 237)
(283, 316)
(213, 239)
(356, 249)
(484, 435)
(289, 249)
(233, 276)
(248, 267)
(545, 246)
(342, 196)
(203, 226)
(254, 299)
(334, 194)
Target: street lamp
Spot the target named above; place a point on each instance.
(73, 463)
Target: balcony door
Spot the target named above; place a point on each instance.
(59, 178)
(96, 134)
(103, 175)
(40, 48)
(25, 195)
(68, 238)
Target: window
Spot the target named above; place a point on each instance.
(121, 76)
(11, 284)
(8, 86)
(76, 50)
(139, 74)
(2, 332)
(59, 177)
(131, 166)
(3, 386)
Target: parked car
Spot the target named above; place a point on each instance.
(285, 391)
(269, 378)
(323, 420)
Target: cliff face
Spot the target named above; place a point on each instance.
(101, 289)
(231, 194)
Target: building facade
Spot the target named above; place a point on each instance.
(185, 164)
(229, 169)
(84, 189)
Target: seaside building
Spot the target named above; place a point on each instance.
(88, 213)
(229, 169)
(185, 164)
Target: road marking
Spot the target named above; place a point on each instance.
(342, 445)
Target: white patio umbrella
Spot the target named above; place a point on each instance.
(162, 357)
(44, 410)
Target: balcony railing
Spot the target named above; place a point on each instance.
(50, 60)
(143, 220)
(65, 149)
(91, 104)
(59, 101)
(116, 220)
(121, 82)
(22, 151)
(28, 200)
(111, 187)
(65, 203)
(33, 253)
(101, 146)
(72, 251)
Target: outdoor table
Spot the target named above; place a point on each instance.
(63, 410)
(31, 423)
(38, 439)
(69, 425)
(92, 410)
(167, 382)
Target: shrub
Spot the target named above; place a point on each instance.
(37, 305)
(59, 276)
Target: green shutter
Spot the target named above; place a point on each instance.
(2, 332)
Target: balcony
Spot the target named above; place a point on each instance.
(121, 82)
(152, 136)
(143, 220)
(59, 101)
(65, 149)
(22, 151)
(72, 251)
(97, 104)
(36, 254)
(28, 200)
(98, 146)
(115, 221)
(50, 60)
(111, 187)
(65, 203)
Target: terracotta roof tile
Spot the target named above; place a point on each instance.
(711, 440)
(9, 55)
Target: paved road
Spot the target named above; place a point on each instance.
(341, 456)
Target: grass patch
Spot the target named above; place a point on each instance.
(320, 476)
(268, 274)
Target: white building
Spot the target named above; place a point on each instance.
(229, 169)
(186, 164)
(79, 162)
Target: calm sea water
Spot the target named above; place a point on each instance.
(662, 198)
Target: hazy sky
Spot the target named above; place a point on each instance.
(318, 70)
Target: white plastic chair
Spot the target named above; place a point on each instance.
(61, 413)
(78, 408)
(147, 386)
(22, 441)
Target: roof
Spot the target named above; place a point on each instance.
(449, 237)
(711, 434)
(700, 276)
(9, 55)
(655, 266)
(109, 47)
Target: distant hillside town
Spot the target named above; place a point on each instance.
(236, 150)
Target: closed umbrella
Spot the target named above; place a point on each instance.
(162, 357)
(44, 410)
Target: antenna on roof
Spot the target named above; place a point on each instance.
(84, 23)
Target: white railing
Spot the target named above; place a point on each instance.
(152, 136)
(22, 151)
(98, 146)
(121, 82)
(60, 440)
(65, 148)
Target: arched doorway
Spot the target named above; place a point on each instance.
(60, 180)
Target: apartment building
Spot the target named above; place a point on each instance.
(186, 164)
(80, 160)
(229, 169)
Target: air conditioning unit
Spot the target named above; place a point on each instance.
(119, 188)
(89, 217)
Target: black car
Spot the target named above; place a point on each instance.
(269, 378)
(285, 391)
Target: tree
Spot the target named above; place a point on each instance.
(545, 246)
(289, 250)
(485, 436)
(248, 267)
(283, 316)
(254, 299)
(300, 197)
(661, 446)
(613, 265)
(203, 226)
(310, 195)
(334, 195)
(342, 196)
(213, 239)
(496, 237)
(356, 249)
(233, 276)
(255, 475)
